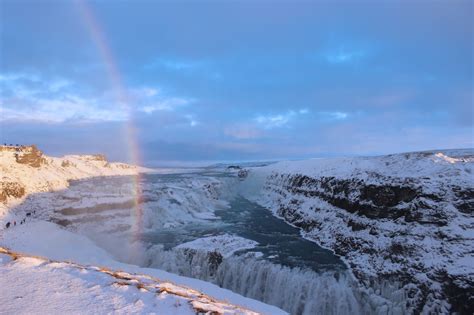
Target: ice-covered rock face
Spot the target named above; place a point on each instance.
(405, 218)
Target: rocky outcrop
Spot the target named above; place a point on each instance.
(11, 189)
(99, 157)
(398, 198)
(66, 163)
(32, 157)
(212, 259)
(243, 174)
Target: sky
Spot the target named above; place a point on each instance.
(191, 81)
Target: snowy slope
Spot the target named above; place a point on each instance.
(45, 239)
(65, 287)
(403, 223)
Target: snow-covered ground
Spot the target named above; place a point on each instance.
(83, 277)
(46, 239)
(402, 222)
(65, 287)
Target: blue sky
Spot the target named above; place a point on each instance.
(237, 80)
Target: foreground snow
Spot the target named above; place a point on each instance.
(65, 287)
(44, 239)
(402, 222)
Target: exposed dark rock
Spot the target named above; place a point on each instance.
(372, 201)
(99, 157)
(66, 163)
(465, 201)
(466, 207)
(215, 259)
(356, 226)
(234, 167)
(243, 174)
(32, 157)
(387, 196)
(460, 293)
(11, 189)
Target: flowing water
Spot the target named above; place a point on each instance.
(284, 269)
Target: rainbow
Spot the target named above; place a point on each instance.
(98, 36)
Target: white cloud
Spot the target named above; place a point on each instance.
(303, 111)
(60, 110)
(279, 120)
(168, 104)
(338, 115)
(33, 98)
(9, 77)
(333, 115)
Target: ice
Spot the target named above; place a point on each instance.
(225, 244)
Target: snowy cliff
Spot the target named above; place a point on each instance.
(403, 223)
(27, 170)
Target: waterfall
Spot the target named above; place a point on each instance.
(292, 289)
(295, 290)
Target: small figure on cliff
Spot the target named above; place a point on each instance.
(14, 223)
(28, 214)
(8, 225)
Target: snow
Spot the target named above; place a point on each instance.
(64, 287)
(443, 165)
(225, 244)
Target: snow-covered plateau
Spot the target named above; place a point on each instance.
(403, 223)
